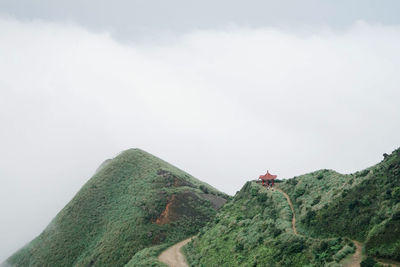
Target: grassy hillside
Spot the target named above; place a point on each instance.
(254, 229)
(134, 206)
(364, 206)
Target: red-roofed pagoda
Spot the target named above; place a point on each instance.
(268, 179)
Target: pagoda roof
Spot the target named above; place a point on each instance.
(268, 176)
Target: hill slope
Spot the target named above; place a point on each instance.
(134, 206)
(364, 206)
(254, 228)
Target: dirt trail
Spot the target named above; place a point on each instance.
(291, 207)
(356, 258)
(173, 256)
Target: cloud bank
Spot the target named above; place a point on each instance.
(224, 105)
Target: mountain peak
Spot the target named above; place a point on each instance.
(133, 201)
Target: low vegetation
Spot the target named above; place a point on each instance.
(331, 209)
(133, 207)
(137, 205)
(254, 229)
(364, 206)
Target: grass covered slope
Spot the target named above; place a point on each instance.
(363, 206)
(134, 202)
(254, 229)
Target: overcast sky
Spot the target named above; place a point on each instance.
(222, 90)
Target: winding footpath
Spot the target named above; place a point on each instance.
(291, 207)
(356, 258)
(173, 256)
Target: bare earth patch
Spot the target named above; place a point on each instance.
(173, 256)
(355, 259)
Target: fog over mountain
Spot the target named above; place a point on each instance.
(224, 101)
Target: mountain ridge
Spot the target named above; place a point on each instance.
(330, 209)
(120, 211)
(136, 205)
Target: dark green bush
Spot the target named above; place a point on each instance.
(204, 189)
(300, 191)
(262, 197)
(396, 194)
(316, 200)
(363, 173)
(368, 262)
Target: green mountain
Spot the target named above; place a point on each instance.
(364, 206)
(255, 229)
(331, 211)
(133, 207)
(137, 205)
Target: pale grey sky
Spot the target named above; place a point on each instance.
(241, 87)
(149, 19)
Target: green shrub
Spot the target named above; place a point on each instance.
(299, 191)
(341, 254)
(316, 200)
(262, 197)
(363, 173)
(204, 189)
(396, 193)
(368, 262)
